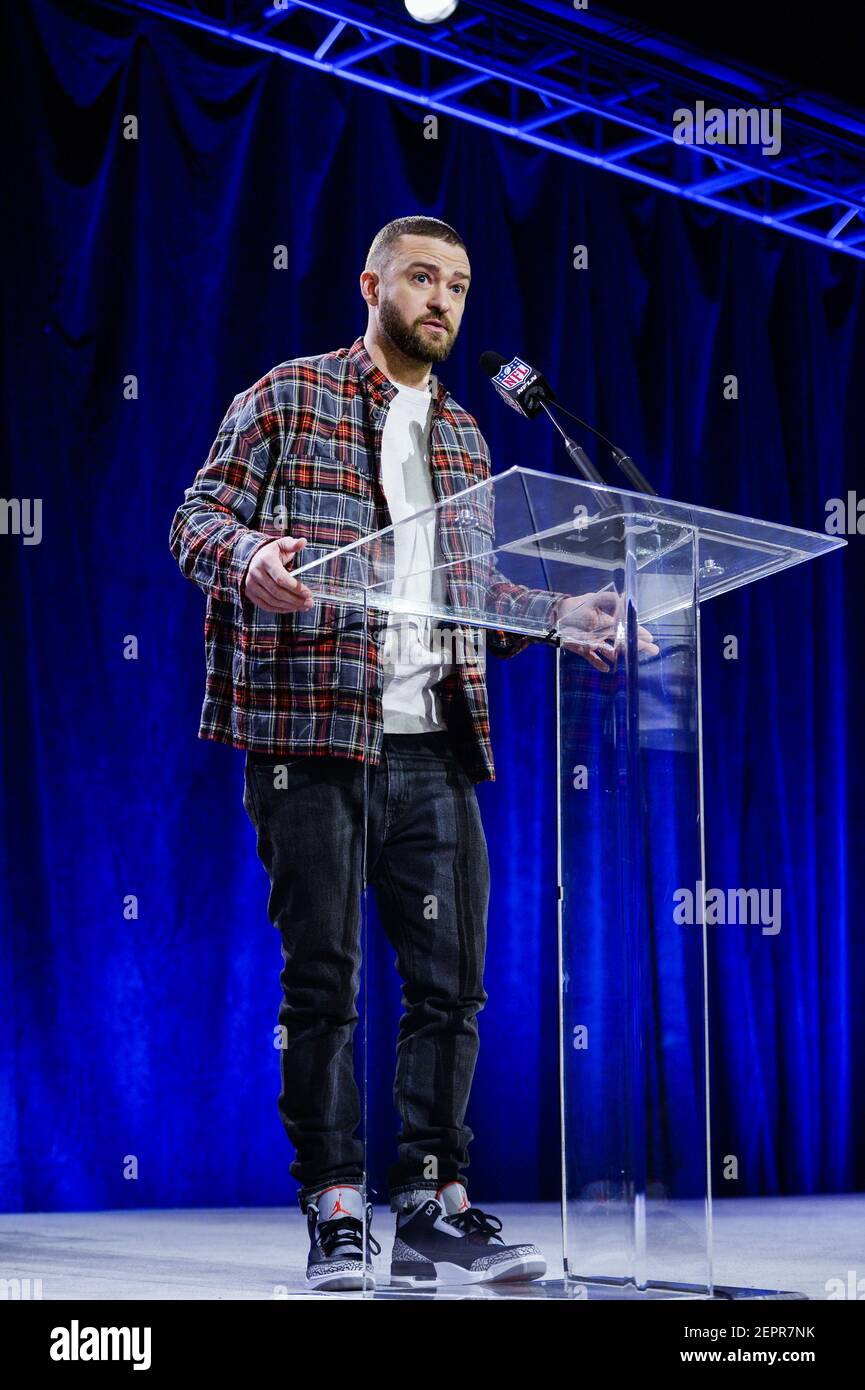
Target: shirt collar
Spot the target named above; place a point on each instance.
(379, 387)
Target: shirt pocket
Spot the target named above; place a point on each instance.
(467, 539)
(326, 502)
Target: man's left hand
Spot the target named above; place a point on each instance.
(592, 626)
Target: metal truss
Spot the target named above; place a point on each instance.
(581, 85)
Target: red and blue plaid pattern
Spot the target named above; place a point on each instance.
(298, 453)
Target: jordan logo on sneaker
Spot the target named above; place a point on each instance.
(464, 1201)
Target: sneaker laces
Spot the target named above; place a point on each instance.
(346, 1230)
(476, 1224)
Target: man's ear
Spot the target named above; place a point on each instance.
(369, 287)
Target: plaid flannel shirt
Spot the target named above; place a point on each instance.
(298, 453)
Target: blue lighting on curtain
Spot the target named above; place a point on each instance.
(139, 971)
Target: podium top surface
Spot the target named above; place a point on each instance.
(502, 551)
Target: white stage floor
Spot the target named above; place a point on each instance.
(799, 1244)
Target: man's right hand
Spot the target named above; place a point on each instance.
(268, 582)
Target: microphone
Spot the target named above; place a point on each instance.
(527, 391)
(520, 386)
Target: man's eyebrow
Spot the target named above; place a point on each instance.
(428, 265)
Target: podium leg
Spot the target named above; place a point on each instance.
(636, 1198)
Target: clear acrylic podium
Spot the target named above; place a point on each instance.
(635, 1112)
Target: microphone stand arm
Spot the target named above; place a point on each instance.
(578, 456)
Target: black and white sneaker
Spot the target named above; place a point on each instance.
(335, 1223)
(445, 1240)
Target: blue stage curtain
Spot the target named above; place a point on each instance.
(138, 1065)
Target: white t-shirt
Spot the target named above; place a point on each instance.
(411, 663)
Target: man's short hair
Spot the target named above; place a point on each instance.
(383, 244)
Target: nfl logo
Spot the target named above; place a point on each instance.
(513, 374)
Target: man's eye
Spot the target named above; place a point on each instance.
(461, 288)
(420, 273)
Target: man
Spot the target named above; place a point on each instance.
(319, 452)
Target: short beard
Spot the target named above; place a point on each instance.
(410, 340)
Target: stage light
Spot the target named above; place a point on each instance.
(431, 11)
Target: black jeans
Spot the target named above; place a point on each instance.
(427, 863)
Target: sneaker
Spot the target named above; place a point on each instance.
(335, 1224)
(445, 1240)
